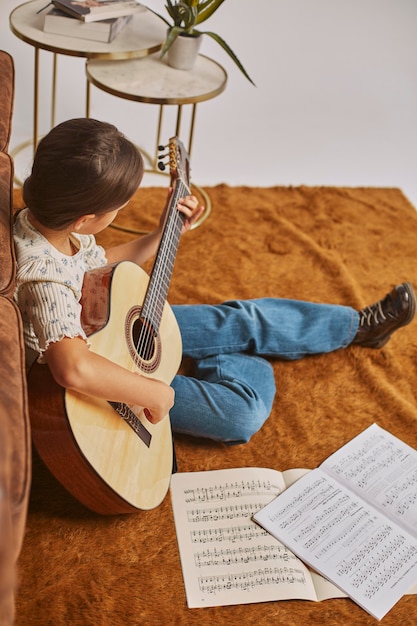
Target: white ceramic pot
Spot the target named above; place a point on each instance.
(183, 52)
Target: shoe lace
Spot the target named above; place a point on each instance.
(372, 314)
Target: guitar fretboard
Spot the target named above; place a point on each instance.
(160, 278)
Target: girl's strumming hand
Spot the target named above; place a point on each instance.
(161, 399)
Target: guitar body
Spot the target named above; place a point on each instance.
(113, 461)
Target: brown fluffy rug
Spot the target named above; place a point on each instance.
(338, 245)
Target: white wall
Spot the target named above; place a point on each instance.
(335, 102)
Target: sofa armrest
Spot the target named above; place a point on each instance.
(7, 98)
(7, 252)
(15, 452)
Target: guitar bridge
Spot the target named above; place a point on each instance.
(132, 419)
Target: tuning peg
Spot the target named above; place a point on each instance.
(161, 165)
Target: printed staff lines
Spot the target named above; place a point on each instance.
(230, 491)
(246, 581)
(232, 534)
(218, 514)
(213, 557)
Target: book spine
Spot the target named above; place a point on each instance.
(102, 31)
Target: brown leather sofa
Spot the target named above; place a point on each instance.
(15, 459)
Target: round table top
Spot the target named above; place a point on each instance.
(152, 80)
(143, 35)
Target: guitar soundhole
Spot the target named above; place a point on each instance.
(143, 342)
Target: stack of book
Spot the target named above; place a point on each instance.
(96, 20)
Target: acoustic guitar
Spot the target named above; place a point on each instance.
(107, 454)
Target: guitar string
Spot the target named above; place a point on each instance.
(170, 250)
(146, 338)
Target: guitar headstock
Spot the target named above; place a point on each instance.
(178, 161)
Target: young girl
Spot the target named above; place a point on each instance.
(84, 173)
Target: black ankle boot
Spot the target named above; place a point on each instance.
(378, 321)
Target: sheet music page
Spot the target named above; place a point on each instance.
(382, 469)
(226, 558)
(348, 541)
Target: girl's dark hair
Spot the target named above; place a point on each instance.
(81, 166)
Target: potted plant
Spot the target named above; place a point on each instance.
(186, 15)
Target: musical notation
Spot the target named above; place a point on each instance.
(226, 557)
(219, 514)
(246, 581)
(259, 553)
(230, 491)
(383, 471)
(354, 519)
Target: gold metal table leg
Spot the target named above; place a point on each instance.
(53, 100)
(36, 99)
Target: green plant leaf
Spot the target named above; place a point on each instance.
(185, 15)
(230, 52)
(160, 16)
(170, 7)
(206, 9)
(171, 37)
(182, 14)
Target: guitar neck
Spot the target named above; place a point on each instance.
(160, 277)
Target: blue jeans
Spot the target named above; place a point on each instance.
(231, 392)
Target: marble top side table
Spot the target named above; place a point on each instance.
(143, 35)
(151, 80)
